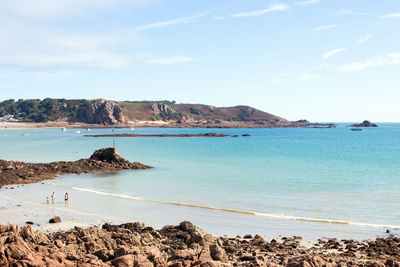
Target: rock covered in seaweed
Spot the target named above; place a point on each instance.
(102, 160)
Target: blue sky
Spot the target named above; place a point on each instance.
(321, 60)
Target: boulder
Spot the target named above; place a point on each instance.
(124, 261)
(108, 154)
(216, 252)
(55, 220)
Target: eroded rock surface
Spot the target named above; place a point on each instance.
(134, 244)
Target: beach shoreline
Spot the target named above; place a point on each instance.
(135, 244)
(248, 250)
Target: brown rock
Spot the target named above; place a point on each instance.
(124, 261)
(216, 252)
(55, 220)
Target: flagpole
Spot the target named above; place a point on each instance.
(114, 133)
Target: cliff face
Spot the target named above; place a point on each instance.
(107, 112)
(102, 112)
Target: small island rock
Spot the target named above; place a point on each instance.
(364, 124)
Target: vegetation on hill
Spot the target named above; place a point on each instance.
(105, 112)
(37, 110)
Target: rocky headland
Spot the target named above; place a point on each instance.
(364, 124)
(102, 160)
(134, 244)
(105, 113)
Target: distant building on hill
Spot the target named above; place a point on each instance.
(9, 118)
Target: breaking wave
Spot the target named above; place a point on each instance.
(248, 212)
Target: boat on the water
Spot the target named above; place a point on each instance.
(63, 129)
(356, 129)
(132, 128)
(78, 132)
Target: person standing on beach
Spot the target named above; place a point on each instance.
(48, 201)
(53, 197)
(66, 198)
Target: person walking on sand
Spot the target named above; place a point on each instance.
(53, 197)
(66, 197)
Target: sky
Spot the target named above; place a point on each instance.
(320, 60)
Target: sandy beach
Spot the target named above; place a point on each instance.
(89, 239)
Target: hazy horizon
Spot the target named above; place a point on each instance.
(324, 61)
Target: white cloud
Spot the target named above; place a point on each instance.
(333, 52)
(307, 2)
(96, 59)
(169, 22)
(350, 12)
(309, 76)
(170, 60)
(34, 44)
(255, 13)
(261, 74)
(326, 27)
(24, 44)
(391, 15)
(280, 77)
(219, 17)
(43, 9)
(364, 39)
(389, 59)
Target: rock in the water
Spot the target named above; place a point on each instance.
(108, 154)
(55, 220)
(364, 124)
(102, 160)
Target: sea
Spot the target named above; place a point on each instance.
(277, 182)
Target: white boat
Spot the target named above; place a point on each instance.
(24, 134)
(132, 128)
(88, 129)
(64, 129)
(78, 132)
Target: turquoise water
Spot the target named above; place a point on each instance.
(312, 182)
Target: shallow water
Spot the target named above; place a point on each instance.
(309, 182)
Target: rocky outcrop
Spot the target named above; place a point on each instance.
(102, 160)
(365, 124)
(134, 244)
(102, 112)
(165, 135)
(163, 111)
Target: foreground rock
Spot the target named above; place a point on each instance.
(102, 160)
(134, 244)
(364, 124)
